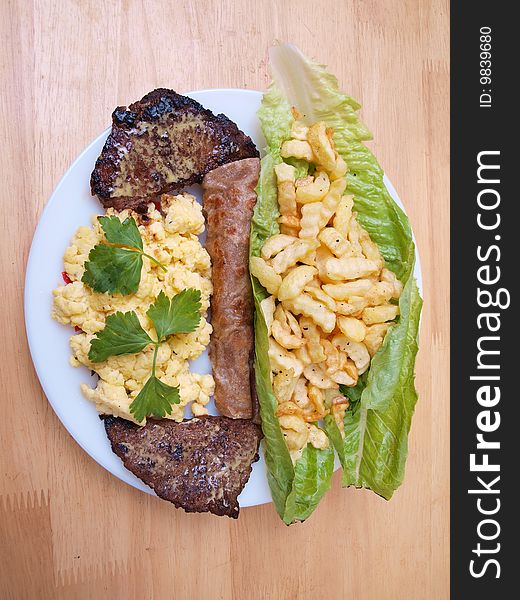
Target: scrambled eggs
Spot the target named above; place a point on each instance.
(172, 240)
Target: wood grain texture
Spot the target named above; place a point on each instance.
(68, 529)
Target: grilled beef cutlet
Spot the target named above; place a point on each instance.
(163, 143)
(200, 465)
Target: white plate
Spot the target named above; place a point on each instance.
(69, 207)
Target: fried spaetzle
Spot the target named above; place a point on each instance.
(332, 298)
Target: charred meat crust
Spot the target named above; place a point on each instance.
(163, 143)
(200, 465)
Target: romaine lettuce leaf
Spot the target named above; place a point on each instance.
(263, 223)
(276, 118)
(373, 452)
(296, 490)
(312, 477)
(280, 470)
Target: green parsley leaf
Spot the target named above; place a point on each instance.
(180, 314)
(114, 270)
(123, 233)
(115, 267)
(123, 334)
(154, 400)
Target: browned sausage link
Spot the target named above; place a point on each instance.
(229, 199)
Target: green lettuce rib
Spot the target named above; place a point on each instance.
(312, 477)
(296, 490)
(374, 449)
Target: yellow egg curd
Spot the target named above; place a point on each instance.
(172, 239)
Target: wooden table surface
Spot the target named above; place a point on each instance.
(68, 529)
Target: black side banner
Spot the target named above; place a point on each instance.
(485, 263)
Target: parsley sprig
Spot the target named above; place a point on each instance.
(123, 334)
(115, 266)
